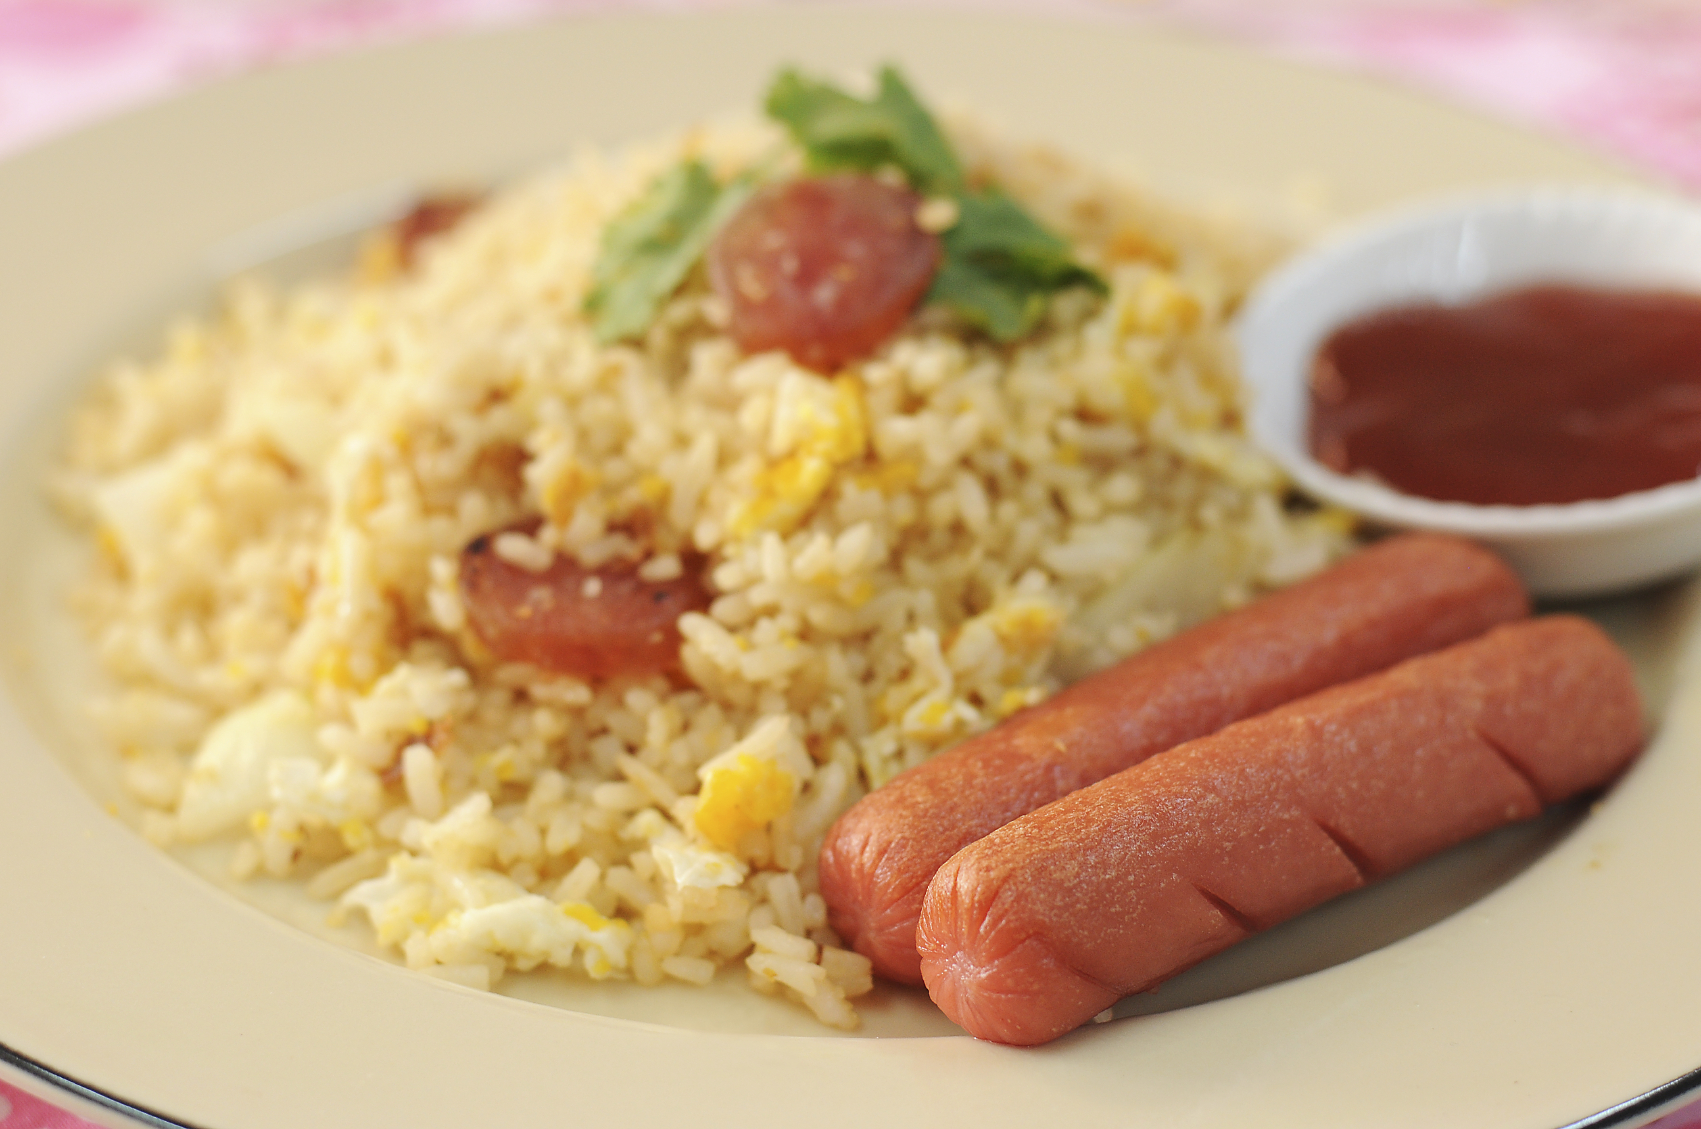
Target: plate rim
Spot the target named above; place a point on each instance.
(1666, 1098)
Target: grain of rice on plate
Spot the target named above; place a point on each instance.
(900, 553)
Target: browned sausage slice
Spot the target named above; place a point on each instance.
(1052, 918)
(825, 268)
(568, 619)
(1402, 597)
(430, 217)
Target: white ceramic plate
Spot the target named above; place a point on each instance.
(1564, 987)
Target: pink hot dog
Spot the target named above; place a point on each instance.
(1402, 597)
(1111, 890)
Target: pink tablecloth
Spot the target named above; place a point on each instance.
(1620, 73)
(1624, 75)
(19, 1110)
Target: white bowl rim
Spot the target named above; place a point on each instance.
(1384, 504)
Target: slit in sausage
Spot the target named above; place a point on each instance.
(1223, 906)
(1513, 765)
(1349, 851)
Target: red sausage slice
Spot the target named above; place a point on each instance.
(1402, 597)
(825, 268)
(431, 216)
(589, 623)
(1052, 918)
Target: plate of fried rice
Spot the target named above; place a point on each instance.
(334, 392)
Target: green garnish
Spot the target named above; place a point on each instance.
(649, 248)
(1000, 267)
(839, 131)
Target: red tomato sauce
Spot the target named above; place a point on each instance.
(1548, 394)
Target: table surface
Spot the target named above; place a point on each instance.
(1617, 74)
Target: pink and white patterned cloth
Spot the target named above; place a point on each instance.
(19, 1110)
(1623, 75)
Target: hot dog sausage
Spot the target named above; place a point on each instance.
(1399, 598)
(1053, 917)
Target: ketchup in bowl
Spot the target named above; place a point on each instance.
(1547, 394)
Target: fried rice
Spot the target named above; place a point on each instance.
(900, 554)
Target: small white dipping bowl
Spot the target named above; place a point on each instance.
(1454, 252)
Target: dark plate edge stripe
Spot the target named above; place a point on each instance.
(1660, 1100)
(139, 1114)
(1621, 1115)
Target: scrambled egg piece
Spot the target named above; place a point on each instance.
(693, 867)
(824, 426)
(531, 930)
(138, 509)
(751, 784)
(231, 775)
(299, 426)
(465, 915)
(1159, 306)
(740, 797)
(1026, 624)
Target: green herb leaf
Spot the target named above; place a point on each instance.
(649, 248)
(839, 131)
(1004, 308)
(1001, 267)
